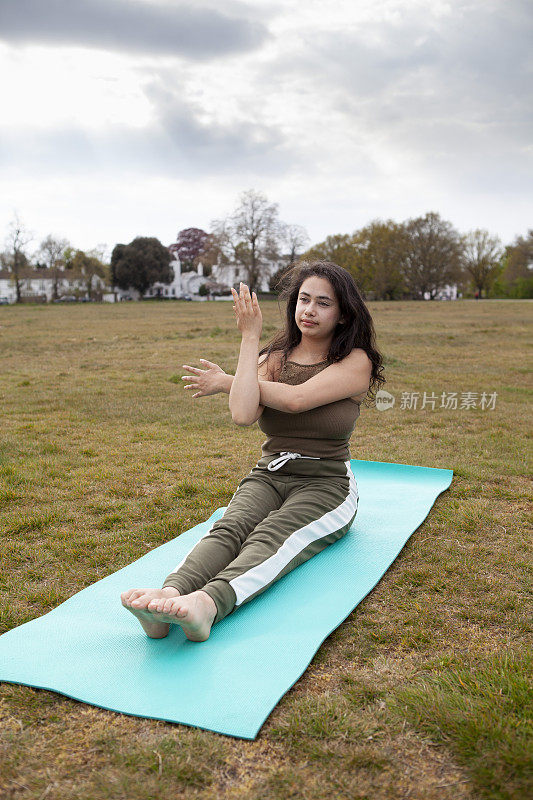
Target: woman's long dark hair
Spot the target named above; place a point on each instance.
(357, 330)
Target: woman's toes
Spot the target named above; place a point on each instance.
(175, 609)
(141, 601)
(168, 608)
(136, 597)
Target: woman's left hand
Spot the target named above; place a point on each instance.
(247, 312)
(205, 381)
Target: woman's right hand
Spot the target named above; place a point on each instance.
(205, 381)
(247, 312)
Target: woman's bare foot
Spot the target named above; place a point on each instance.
(195, 613)
(137, 600)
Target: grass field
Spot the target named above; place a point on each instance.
(421, 693)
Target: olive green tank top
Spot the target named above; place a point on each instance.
(322, 432)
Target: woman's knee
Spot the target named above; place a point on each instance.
(229, 532)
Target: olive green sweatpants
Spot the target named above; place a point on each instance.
(287, 509)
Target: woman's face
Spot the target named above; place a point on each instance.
(317, 303)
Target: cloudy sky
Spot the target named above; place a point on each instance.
(123, 118)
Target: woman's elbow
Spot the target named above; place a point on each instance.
(294, 404)
(242, 422)
(238, 415)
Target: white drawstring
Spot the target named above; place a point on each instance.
(284, 457)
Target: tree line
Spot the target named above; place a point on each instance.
(54, 258)
(389, 260)
(419, 257)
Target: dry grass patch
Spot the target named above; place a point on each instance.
(103, 456)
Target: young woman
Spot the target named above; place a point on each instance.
(305, 390)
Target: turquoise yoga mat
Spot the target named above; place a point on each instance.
(93, 650)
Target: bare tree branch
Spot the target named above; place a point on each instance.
(17, 240)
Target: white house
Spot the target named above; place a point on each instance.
(38, 284)
(189, 283)
(182, 283)
(185, 283)
(231, 274)
(446, 293)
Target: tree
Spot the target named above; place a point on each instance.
(373, 255)
(250, 237)
(190, 244)
(481, 258)
(68, 256)
(211, 255)
(87, 266)
(141, 263)
(294, 239)
(6, 261)
(338, 248)
(18, 238)
(517, 273)
(380, 255)
(51, 252)
(433, 255)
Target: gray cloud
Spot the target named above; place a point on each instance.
(422, 110)
(177, 144)
(467, 66)
(451, 94)
(199, 33)
(214, 145)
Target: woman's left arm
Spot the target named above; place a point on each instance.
(347, 378)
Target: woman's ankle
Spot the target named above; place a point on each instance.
(171, 591)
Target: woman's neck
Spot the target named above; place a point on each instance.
(310, 356)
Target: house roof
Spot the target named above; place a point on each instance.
(25, 274)
(41, 274)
